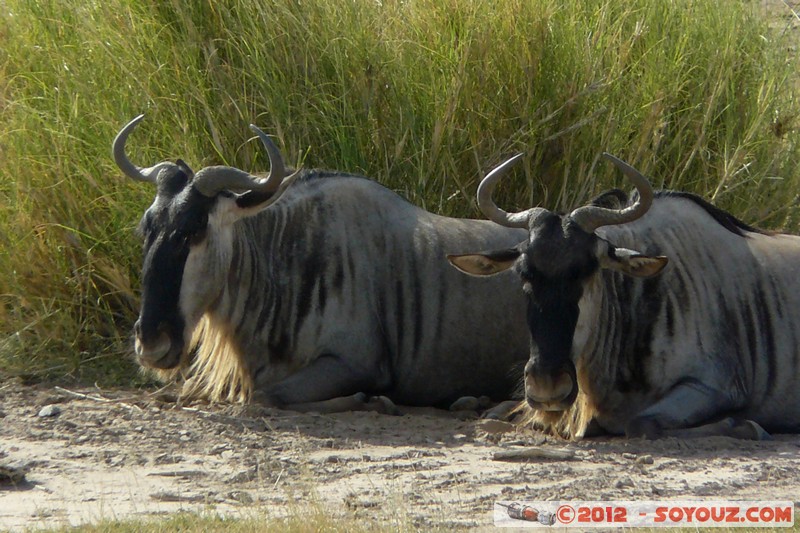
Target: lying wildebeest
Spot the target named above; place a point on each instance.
(308, 290)
(709, 346)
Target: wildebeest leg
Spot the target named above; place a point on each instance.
(727, 427)
(686, 405)
(326, 385)
(356, 402)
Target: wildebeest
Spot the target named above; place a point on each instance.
(307, 291)
(711, 345)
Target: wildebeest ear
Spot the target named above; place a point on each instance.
(186, 168)
(235, 207)
(485, 264)
(633, 263)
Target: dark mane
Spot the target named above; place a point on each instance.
(616, 199)
(315, 174)
(725, 219)
(312, 174)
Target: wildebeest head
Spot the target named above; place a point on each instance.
(561, 256)
(187, 249)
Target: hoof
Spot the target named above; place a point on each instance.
(383, 405)
(749, 430)
(466, 403)
(359, 397)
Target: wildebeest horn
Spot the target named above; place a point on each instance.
(490, 209)
(211, 180)
(129, 169)
(590, 217)
(277, 170)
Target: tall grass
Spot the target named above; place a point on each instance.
(422, 95)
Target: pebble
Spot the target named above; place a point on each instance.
(241, 496)
(244, 476)
(218, 449)
(493, 427)
(49, 410)
(12, 474)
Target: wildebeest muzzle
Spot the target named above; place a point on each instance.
(157, 347)
(550, 389)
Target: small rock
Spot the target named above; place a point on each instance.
(535, 454)
(241, 496)
(166, 496)
(49, 410)
(54, 398)
(166, 398)
(644, 460)
(12, 475)
(354, 502)
(218, 449)
(185, 474)
(623, 483)
(167, 459)
(708, 489)
(244, 476)
(494, 427)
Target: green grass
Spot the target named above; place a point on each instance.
(311, 520)
(422, 95)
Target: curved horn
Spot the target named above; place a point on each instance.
(591, 217)
(211, 180)
(129, 169)
(277, 170)
(490, 209)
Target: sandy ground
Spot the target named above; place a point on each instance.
(118, 454)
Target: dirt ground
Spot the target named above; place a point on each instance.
(119, 454)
